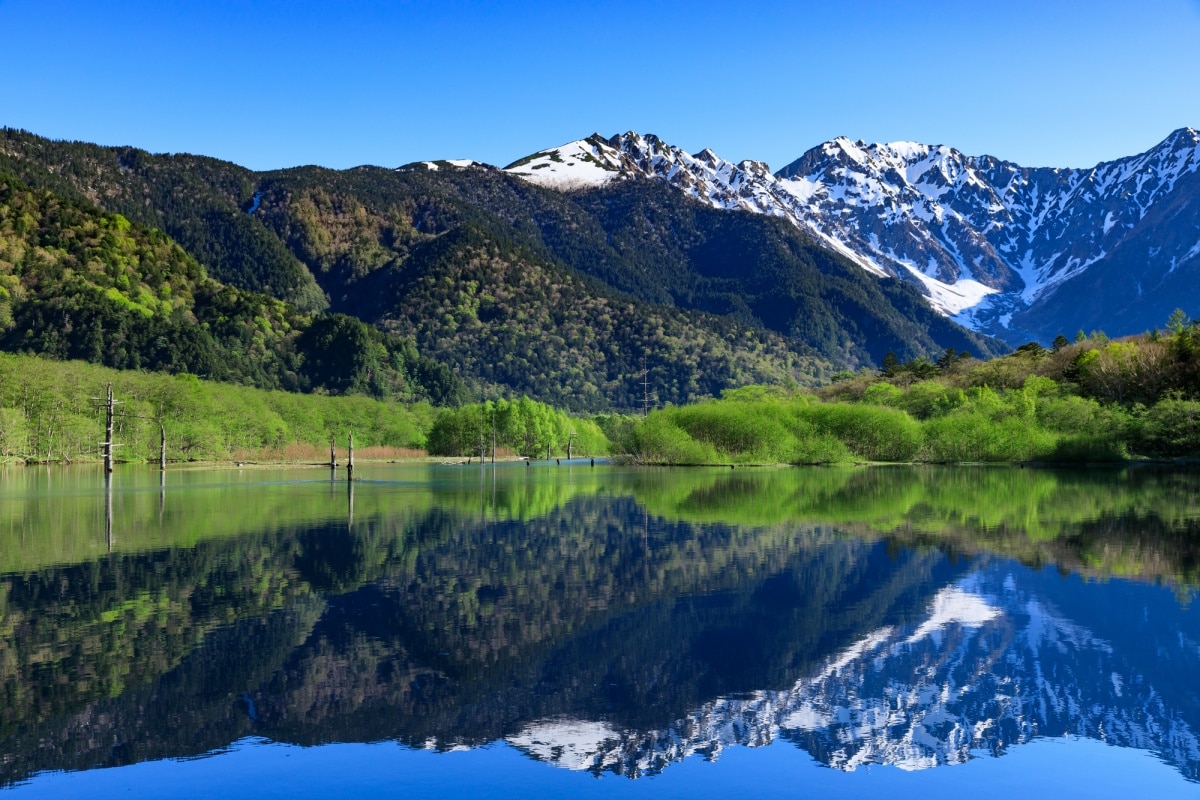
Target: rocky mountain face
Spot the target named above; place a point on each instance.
(1012, 251)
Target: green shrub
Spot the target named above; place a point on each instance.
(818, 449)
(523, 426)
(975, 436)
(1080, 415)
(1170, 428)
(931, 399)
(619, 429)
(883, 394)
(765, 430)
(752, 432)
(659, 440)
(871, 432)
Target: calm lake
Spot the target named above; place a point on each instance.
(525, 631)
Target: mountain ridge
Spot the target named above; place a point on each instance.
(990, 243)
(353, 241)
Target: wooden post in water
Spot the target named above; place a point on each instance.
(333, 452)
(645, 388)
(570, 439)
(350, 459)
(108, 433)
(109, 405)
(493, 436)
(162, 465)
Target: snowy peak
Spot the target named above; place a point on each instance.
(750, 186)
(1183, 138)
(986, 240)
(575, 165)
(1020, 232)
(704, 176)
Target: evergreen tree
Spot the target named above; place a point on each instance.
(890, 363)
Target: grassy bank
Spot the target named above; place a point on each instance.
(1091, 401)
(984, 426)
(49, 414)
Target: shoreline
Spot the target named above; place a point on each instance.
(618, 460)
(224, 464)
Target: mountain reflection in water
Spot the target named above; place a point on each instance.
(604, 620)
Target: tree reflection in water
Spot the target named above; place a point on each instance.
(613, 619)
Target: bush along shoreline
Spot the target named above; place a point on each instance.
(1088, 402)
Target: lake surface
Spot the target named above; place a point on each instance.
(524, 631)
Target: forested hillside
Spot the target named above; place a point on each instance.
(81, 284)
(200, 202)
(638, 238)
(517, 288)
(496, 311)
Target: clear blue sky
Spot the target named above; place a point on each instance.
(272, 84)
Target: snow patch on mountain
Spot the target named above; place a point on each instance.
(583, 164)
(952, 299)
(445, 163)
(954, 606)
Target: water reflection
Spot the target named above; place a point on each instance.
(602, 620)
(994, 664)
(108, 511)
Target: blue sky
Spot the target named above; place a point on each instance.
(273, 84)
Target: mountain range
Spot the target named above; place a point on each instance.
(581, 274)
(576, 299)
(1017, 252)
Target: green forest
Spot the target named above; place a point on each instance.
(77, 283)
(50, 413)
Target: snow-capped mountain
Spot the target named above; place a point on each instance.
(747, 186)
(990, 242)
(993, 665)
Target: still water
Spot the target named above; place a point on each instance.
(517, 631)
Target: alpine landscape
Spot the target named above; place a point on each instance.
(351, 445)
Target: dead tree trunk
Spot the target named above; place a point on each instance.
(108, 432)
